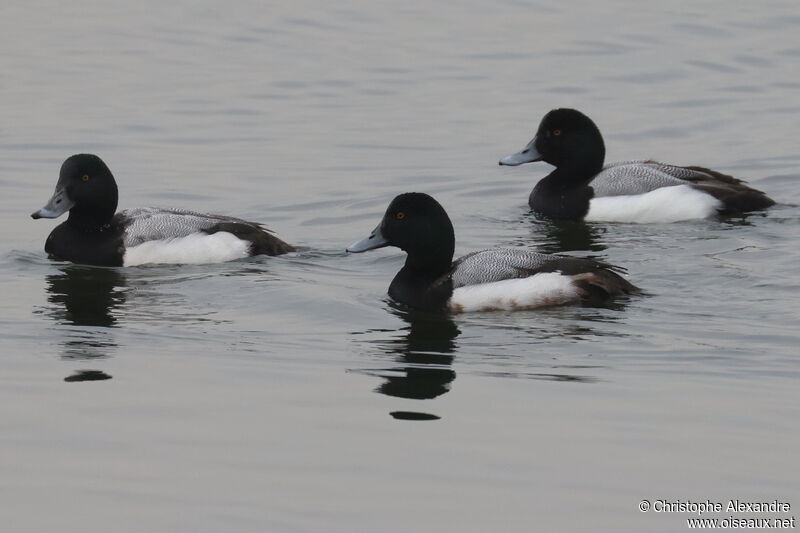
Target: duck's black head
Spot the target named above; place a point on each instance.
(86, 188)
(418, 225)
(566, 138)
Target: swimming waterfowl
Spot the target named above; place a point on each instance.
(487, 280)
(631, 191)
(95, 234)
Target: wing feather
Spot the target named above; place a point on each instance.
(152, 224)
(497, 264)
(640, 177)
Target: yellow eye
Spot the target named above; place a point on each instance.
(556, 132)
(400, 215)
(85, 177)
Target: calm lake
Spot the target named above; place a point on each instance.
(289, 394)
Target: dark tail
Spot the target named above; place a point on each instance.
(603, 284)
(262, 242)
(735, 195)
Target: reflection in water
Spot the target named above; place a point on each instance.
(567, 235)
(425, 348)
(412, 415)
(86, 297)
(548, 376)
(424, 351)
(87, 375)
(89, 345)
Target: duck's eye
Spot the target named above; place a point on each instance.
(85, 177)
(556, 132)
(400, 215)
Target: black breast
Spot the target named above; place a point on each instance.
(101, 246)
(421, 291)
(560, 203)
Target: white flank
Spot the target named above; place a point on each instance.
(667, 204)
(192, 249)
(547, 288)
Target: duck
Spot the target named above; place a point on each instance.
(495, 279)
(644, 191)
(96, 234)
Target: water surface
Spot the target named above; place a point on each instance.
(288, 393)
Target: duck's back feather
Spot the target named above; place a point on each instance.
(629, 178)
(493, 265)
(497, 264)
(511, 279)
(154, 224)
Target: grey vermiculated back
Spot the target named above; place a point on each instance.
(639, 177)
(496, 264)
(152, 223)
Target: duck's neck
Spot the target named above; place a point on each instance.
(90, 220)
(583, 162)
(565, 192)
(432, 262)
(423, 282)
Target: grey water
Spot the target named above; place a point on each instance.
(289, 393)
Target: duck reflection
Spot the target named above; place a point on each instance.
(87, 375)
(85, 297)
(425, 351)
(567, 235)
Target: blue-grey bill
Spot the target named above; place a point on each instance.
(527, 155)
(375, 240)
(57, 206)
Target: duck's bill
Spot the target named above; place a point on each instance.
(375, 240)
(57, 206)
(527, 155)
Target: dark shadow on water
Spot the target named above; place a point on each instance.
(85, 296)
(545, 376)
(424, 353)
(87, 375)
(88, 345)
(82, 299)
(413, 415)
(424, 348)
(558, 236)
(744, 219)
